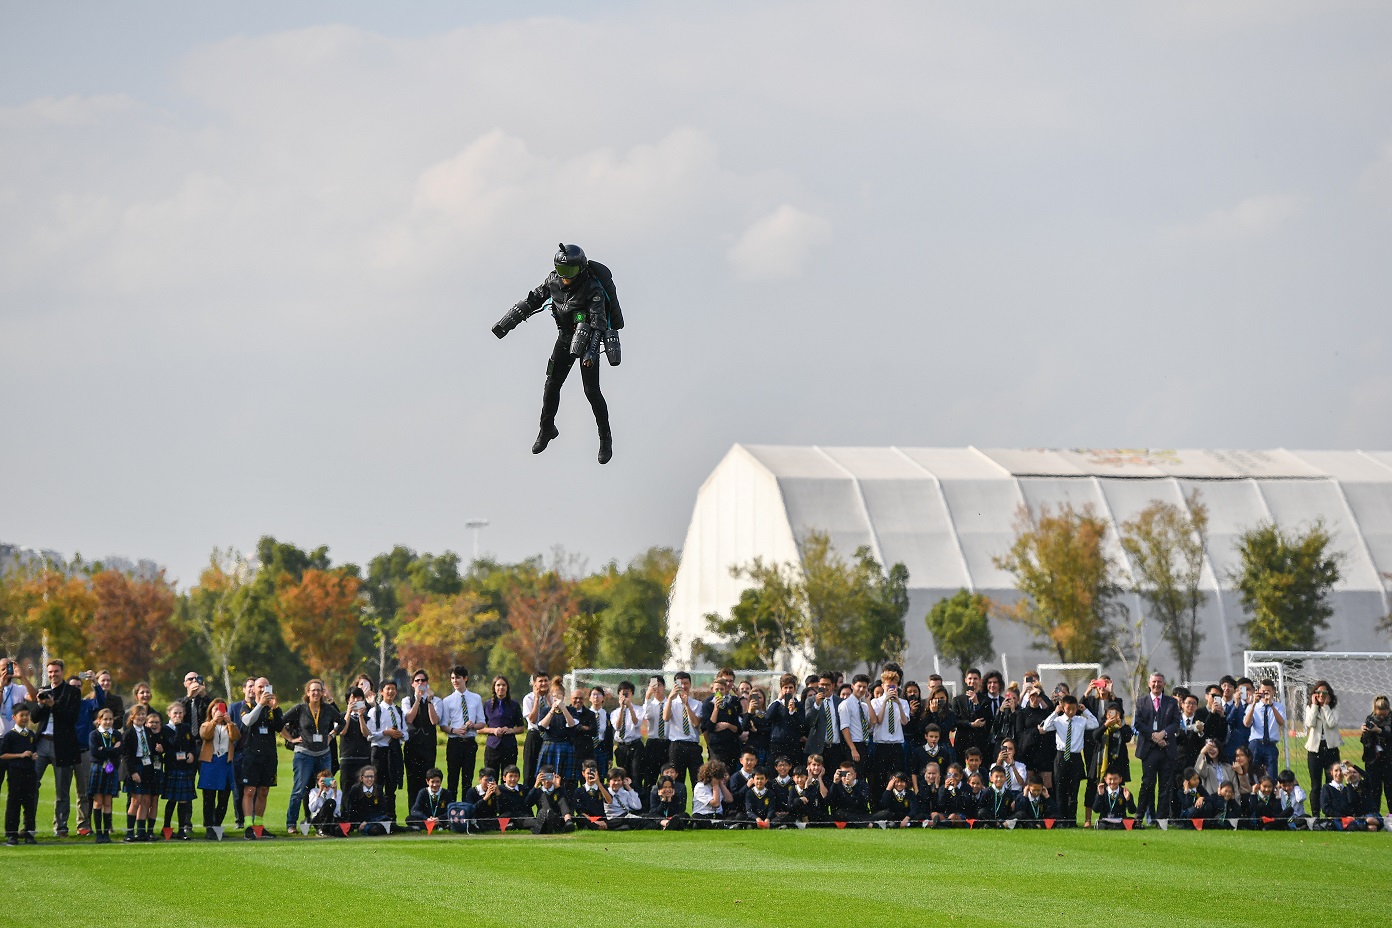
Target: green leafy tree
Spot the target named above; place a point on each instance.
(961, 628)
(215, 611)
(886, 598)
(1068, 581)
(1285, 581)
(1165, 544)
(633, 609)
(766, 626)
(398, 585)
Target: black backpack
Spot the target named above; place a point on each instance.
(606, 282)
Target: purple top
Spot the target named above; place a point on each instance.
(505, 714)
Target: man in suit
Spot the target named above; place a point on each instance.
(56, 722)
(821, 712)
(1157, 748)
(973, 714)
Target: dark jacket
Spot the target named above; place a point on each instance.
(848, 802)
(1147, 722)
(765, 806)
(100, 752)
(584, 298)
(65, 709)
(423, 807)
(784, 723)
(896, 807)
(1029, 810)
(552, 801)
(359, 807)
(1114, 807)
(994, 807)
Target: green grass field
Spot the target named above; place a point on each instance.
(699, 878)
(748, 878)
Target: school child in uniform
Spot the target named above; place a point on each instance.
(1033, 807)
(926, 788)
(325, 800)
(848, 799)
(782, 777)
(368, 806)
(588, 798)
(139, 756)
(761, 802)
(955, 801)
(623, 810)
(1192, 800)
(739, 780)
(18, 749)
(996, 803)
(666, 811)
(551, 812)
(896, 803)
(432, 801)
(1264, 808)
(180, 753)
(804, 801)
(512, 802)
(1113, 801)
(105, 745)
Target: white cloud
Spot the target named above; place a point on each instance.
(1253, 217)
(779, 245)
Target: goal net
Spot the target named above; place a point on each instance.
(1077, 676)
(1356, 678)
(701, 680)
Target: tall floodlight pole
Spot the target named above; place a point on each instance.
(477, 525)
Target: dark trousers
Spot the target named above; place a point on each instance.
(1318, 763)
(419, 758)
(887, 759)
(557, 369)
(23, 798)
(1157, 785)
(390, 769)
(629, 756)
(215, 806)
(862, 766)
(499, 758)
(531, 750)
(789, 749)
(686, 757)
(461, 756)
(1068, 775)
(655, 754)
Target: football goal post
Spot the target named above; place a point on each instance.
(1356, 676)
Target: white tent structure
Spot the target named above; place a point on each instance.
(946, 512)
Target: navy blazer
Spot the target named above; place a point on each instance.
(1145, 725)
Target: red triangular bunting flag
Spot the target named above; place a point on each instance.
(1267, 820)
(1198, 824)
(503, 823)
(1049, 823)
(763, 823)
(840, 824)
(168, 833)
(344, 827)
(258, 830)
(971, 823)
(1128, 823)
(430, 824)
(594, 819)
(1347, 820)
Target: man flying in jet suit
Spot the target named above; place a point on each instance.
(589, 319)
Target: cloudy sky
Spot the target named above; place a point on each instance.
(250, 253)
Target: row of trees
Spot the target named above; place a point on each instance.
(1073, 588)
(842, 613)
(291, 613)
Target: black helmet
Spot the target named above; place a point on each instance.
(570, 260)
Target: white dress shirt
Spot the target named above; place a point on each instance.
(657, 727)
(883, 706)
(705, 800)
(452, 712)
(850, 712)
(531, 700)
(381, 717)
(622, 802)
(11, 696)
(1070, 734)
(674, 724)
(632, 724)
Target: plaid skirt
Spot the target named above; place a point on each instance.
(101, 783)
(561, 755)
(149, 785)
(178, 785)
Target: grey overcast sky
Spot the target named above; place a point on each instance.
(250, 253)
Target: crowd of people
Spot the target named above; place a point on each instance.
(821, 751)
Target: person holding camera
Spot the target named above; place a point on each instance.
(722, 719)
(657, 749)
(682, 714)
(196, 698)
(260, 728)
(972, 715)
(857, 721)
(589, 797)
(784, 718)
(310, 728)
(1322, 739)
(1264, 718)
(1190, 738)
(423, 712)
(355, 738)
(60, 704)
(535, 705)
(15, 688)
(555, 724)
(626, 722)
(1376, 737)
(550, 807)
(217, 778)
(848, 800)
(891, 711)
(822, 719)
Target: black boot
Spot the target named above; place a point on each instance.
(606, 448)
(547, 433)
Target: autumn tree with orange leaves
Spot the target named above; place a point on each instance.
(538, 616)
(320, 616)
(130, 629)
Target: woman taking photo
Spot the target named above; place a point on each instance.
(503, 721)
(216, 777)
(1322, 739)
(555, 725)
(1377, 749)
(354, 748)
